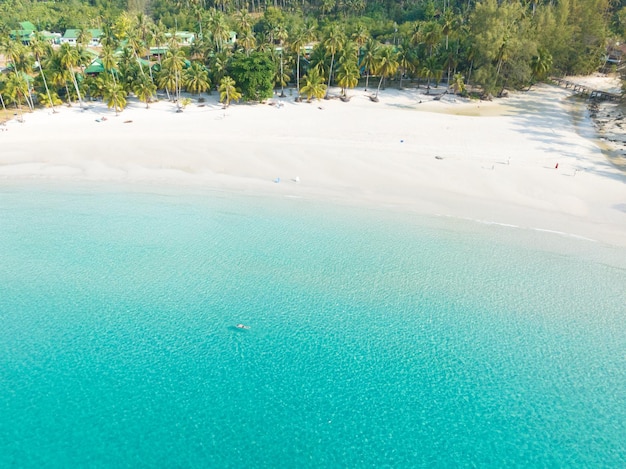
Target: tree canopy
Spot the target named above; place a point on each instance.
(489, 45)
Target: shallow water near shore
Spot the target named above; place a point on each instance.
(376, 339)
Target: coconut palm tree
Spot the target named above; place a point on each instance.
(220, 32)
(368, 62)
(17, 89)
(540, 65)
(348, 76)
(115, 96)
(59, 75)
(386, 65)
(218, 65)
(297, 43)
(334, 40)
(406, 59)
(137, 47)
(167, 79)
(243, 20)
(174, 62)
(247, 41)
(14, 52)
(69, 58)
(144, 89)
(458, 84)
(158, 33)
(314, 86)
(360, 35)
(431, 69)
(109, 60)
(228, 91)
(40, 48)
(196, 78)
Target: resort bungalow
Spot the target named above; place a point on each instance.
(96, 35)
(183, 38)
(70, 37)
(25, 33)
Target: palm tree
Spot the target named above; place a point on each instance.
(136, 46)
(228, 91)
(167, 79)
(348, 76)
(334, 39)
(219, 29)
(386, 64)
(297, 43)
(17, 89)
(361, 35)
(430, 34)
(406, 59)
(13, 50)
(39, 47)
(431, 69)
(368, 62)
(540, 65)
(109, 60)
(158, 32)
(196, 78)
(243, 20)
(84, 36)
(457, 84)
(115, 96)
(59, 75)
(144, 89)
(448, 22)
(314, 86)
(174, 62)
(217, 66)
(247, 41)
(69, 57)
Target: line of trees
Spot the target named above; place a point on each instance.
(490, 44)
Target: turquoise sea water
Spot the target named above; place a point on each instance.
(377, 339)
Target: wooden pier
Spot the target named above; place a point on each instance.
(587, 92)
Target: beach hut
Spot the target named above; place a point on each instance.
(25, 33)
(70, 37)
(96, 35)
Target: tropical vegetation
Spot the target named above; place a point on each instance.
(248, 50)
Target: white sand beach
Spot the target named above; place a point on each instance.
(490, 161)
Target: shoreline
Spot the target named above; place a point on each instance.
(488, 161)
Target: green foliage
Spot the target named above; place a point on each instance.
(254, 74)
(490, 43)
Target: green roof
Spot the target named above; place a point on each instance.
(71, 33)
(27, 26)
(21, 33)
(95, 67)
(95, 33)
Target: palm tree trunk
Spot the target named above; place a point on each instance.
(67, 92)
(382, 76)
(27, 85)
(367, 79)
(80, 99)
(330, 74)
(45, 83)
(298, 75)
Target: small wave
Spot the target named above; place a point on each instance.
(518, 227)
